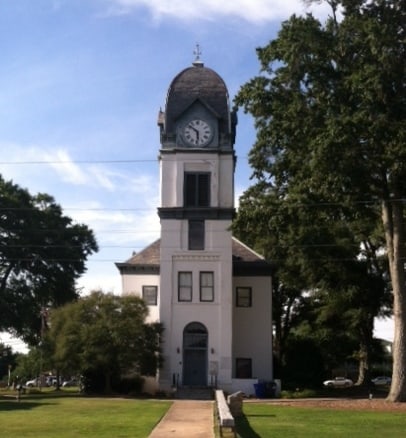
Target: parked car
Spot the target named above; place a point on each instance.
(51, 381)
(32, 383)
(71, 382)
(382, 381)
(338, 382)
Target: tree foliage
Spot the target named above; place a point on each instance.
(42, 254)
(329, 108)
(30, 365)
(7, 361)
(107, 334)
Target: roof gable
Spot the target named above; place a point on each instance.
(245, 260)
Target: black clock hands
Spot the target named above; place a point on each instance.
(196, 131)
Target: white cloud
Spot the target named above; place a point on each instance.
(130, 226)
(68, 171)
(30, 162)
(31, 159)
(110, 282)
(101, 177)
(253, 11)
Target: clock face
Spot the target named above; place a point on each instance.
(197, 133)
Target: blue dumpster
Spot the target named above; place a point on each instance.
(260, 389)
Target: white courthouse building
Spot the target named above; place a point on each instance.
(210, 291)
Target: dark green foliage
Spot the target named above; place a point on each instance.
(304, 366)
(7, 358)
(42, 254)
(31, 365)
(329, 174)
(105, 335)
(150, 360)
(129, 385)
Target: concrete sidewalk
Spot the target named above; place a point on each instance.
(186, 419)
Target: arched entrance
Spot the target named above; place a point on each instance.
(195, 342)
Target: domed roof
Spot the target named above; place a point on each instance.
(197, 83)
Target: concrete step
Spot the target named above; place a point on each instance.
(194, 393)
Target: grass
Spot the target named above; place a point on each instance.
(68, 415)
(266, 420)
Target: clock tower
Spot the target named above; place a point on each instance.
(211, 292)
(197, 161)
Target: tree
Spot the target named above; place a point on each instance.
(7, 361)
(329, 109)
(105, 333)
(42, 254)
(317, 267)
(30, 365)
(263, 222)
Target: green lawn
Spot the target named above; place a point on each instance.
(70, 416)
(266, 420)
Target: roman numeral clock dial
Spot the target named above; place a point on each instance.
(197, 133)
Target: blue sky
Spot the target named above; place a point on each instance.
(82, 82)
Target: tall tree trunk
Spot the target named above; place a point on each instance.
(392, 217)
(364, 367)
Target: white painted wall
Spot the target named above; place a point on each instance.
(132, 285)
(252, 326)
(221, 167)
(216, 315)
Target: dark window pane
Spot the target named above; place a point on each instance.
(203, 190)
(244, 297)
(243, 369)
(197, 189)
(190, 189)
(196, 234)
(150, 295)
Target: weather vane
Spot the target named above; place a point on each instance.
(197, 52)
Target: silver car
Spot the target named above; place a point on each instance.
(338, 382)
(382, 381)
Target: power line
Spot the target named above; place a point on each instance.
(79, 162)
(76, 209)
(290, 204)
(122, 161)
(110, 260)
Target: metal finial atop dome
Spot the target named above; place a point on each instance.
(197, 62)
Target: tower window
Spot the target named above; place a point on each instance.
(206, 286)
(197, 189)
(185, 286)
(196, 234)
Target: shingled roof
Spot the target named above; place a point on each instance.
(245, 260)
(197, 82)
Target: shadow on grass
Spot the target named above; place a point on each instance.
(51, 395)
(7, 405)
(244, 429)
(354, 392)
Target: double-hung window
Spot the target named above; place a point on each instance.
(150, 295)
(206, 286)
(185, 286)
(244, 297)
